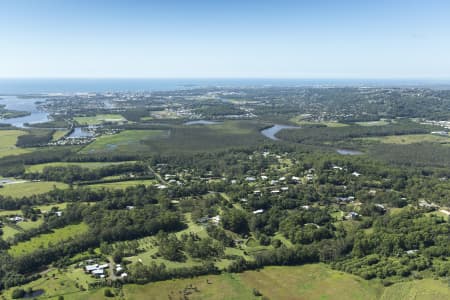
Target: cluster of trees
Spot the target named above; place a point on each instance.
(71, 174)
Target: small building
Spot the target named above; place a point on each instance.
(258, 211)
(352, 216)
(356, 174)
(250, 179)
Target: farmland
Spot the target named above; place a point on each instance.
(88, 165)
(44, 240)
(24, 189)
(133, 141)
(8, 139)
(99, 119)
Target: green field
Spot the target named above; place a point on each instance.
(87, 165)
(43, 208)
(304, 282)
(418, 290)
(410, 139)
(26, 189)
(217, 137)
(42, 241)
(122, 184)
(127, 141)
(373, 123)
(8, 139)
(59, 134)
(100, 119)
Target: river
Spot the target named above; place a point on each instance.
(21, 104)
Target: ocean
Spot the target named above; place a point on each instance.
(43, 86)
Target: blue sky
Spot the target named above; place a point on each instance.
(178, 39)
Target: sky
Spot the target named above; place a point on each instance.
(225, 39)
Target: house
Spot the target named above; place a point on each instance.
(264, 177)
(98, 272)
(444, 211)
(273, 182)
(90, 268)
(356, 174)
(275, 191)
(16, 219)
(337, 168)
(295, 178)
(282, 178)
(305, 207)
(258, 211)
(250, 179)
(123, 275)
(284, 188)
(352, 216)
(130, 207)
(58, 213)
(215, 220)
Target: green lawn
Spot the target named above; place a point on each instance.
(100, 119)
(59, 134)
(87, 165)
(8, 232)
(26, 189)
(43, 240)
(8, 139)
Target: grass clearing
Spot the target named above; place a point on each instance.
(8, 139)
(374, 123)
(304, 282)
(410, 139)
(127, 141)
(300, 121)
(121, 184)
(25, 189)
(43, 240)
(88, 165)
(59, 134)
(419, 290)
(100, 119)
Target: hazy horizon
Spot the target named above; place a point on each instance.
(267, 39)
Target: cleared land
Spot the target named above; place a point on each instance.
(100, 119)
(418, 290)
(128, 141)
(43, 240)
(410, 139)
(8, 139)
(87, 165)
(26, 189)
(121, 184)
(304, 282)
(217, 137)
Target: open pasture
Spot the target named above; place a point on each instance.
(87, 165)
(8, 139)
(43, 240)
(25, 189)
(128, 141)
(100, 119)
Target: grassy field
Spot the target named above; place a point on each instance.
(418, 290)
(99, 119)
(87, 165)
(59, 134)
(42, 241)
(410, 139)
(8, 139)
(17, 190)
(43, 208)
(304, 282)
(8, 232)
(127, 141)
(217, 137)
(373, 123)
(122, 184)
